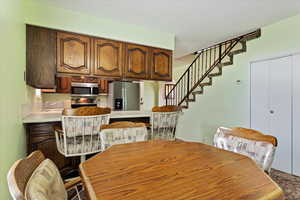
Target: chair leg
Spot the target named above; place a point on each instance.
(82, 158)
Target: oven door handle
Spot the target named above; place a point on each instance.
(84, 95)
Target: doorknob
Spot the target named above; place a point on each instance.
(272, 111)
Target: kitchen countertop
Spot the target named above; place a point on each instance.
(42, 117)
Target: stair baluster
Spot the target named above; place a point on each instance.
(201, 68)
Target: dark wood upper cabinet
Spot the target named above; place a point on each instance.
(63, 84)
(108, 59)
(161, 64)
(73, 53)
(137, 61)
(78, 79)
(84, 79)
(103, 85)
(51, 53)
(40, 57)
(91, 79)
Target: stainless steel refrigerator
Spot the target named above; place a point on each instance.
(126, 95)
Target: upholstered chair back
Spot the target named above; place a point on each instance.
(37, 178)
(164, 121)
(122, 133)
(80, 131)
(20, 173)
(261, 148)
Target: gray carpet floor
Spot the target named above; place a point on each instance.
(290, 184)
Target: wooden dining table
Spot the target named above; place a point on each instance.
(172, 170)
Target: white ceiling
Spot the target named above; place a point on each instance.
(195, 23)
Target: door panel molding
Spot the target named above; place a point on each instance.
(73, 53)
(137, 61)
(108, 58)
(155, 67)
(161, 65)
(272, 80)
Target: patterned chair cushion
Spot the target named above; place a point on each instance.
(45, 183)
(80, 135)
(164, 125)
(75, 145)
(260, 151)
(78, 126)
(114, 136)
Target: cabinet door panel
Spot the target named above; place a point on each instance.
(41, 137)
(73, 53)
(47, 146)
(103, 85)
(161, 65)
(137, 59)
(108, 58)
(63, 84)
(40, 57)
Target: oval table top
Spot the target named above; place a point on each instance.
(174, 170)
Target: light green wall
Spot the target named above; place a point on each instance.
(49, 16)
(226, 103)
(150, 95)
(13, 93)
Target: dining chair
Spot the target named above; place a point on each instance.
(79, 135)
(254, 144)
(164, 121)
(122, 133)
(36, 177)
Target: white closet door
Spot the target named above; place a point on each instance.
(296, 115)
(260, 96)
(271, 112)
(280, 79)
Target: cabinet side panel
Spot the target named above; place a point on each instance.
(40, 57)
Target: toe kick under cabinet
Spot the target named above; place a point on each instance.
(52, 53)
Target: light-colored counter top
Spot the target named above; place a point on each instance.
(42, 117)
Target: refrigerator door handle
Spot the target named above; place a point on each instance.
(124, 96)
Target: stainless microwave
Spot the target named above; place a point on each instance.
(84, 89)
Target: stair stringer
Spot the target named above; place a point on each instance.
(200, 88)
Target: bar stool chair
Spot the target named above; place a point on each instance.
(79, 135)
(122, 133)
(251, 143)
(36, 177)
(164, 121)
